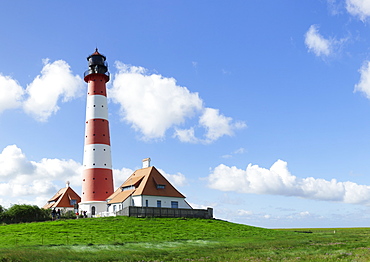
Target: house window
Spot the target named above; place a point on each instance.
(161, 186)
(73, 202)
(159, 203)
(174, 204)
(147, 203)
(114, 208)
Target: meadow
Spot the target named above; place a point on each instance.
(176, 239)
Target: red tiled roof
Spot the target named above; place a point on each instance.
(62, 198)
(145, 181)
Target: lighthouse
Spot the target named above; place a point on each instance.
(97, 177)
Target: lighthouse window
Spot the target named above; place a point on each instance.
(94, 105)
(104, 149)
(93, 149)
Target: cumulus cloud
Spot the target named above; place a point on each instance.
(22, 178)
(40, 99)
(279, 181)
(218, 125)
(364, 83)
(359, 8)
(215, 124)
(316, 43)
(177, 180)
(120, 175)
(153, 104)
(55, 82)
(11, 93)
(150, 102)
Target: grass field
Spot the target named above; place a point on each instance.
(176, 239)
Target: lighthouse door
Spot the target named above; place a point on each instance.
(93, 210)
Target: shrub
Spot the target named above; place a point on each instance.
(69, 215)
(24, 213)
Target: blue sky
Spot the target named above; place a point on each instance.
(259, 109)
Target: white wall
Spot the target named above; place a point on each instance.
(165, 201)
(139, 201)
(100, 206)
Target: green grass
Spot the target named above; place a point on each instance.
(168, 239)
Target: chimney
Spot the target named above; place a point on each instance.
(146, 162)
(67, 184)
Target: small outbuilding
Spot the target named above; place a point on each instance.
(66, 199)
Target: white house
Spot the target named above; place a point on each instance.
(146, 187)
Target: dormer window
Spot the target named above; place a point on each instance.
(161, 186)
(128, 188)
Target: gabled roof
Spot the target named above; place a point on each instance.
(146, 181)
(62, 198)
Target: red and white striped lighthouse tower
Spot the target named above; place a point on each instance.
(97, 178)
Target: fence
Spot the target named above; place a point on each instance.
(165, 212)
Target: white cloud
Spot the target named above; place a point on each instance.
(177, 180)
(316, 43)
(152, 104)
(335, 6)
(242, 212)
(186, 135)
(11, 93)
(360, 8)
(25, 179)
(364, 83)
(218, 125)
(215, 124)
(240, 150)
(120, 176)
(278, 181)
(55, 82)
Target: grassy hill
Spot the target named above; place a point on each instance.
(176, 239)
